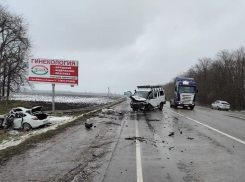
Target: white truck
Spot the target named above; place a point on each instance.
(148, 97)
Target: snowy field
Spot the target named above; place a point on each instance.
(62, 99)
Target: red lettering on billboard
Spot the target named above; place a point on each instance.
(58, 71)
(64, 70)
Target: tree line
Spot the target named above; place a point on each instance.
(218, 78)
(15, 50)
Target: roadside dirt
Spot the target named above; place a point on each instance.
(73, 154)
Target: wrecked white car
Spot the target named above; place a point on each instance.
(148, 97)
(26, 118)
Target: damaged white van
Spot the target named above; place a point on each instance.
(148, 97)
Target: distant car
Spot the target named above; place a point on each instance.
(220, 105)
(29, 118)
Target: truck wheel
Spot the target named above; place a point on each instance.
(184, 107)
(161, 106)
(191, 108)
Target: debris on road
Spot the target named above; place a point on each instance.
(189, 138)
(152, 119)
(108, 111)
(171, 134)
(170, 148)
(88, 126)
(141, 139)
(110, 122)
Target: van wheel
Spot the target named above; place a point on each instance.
(135, 109)
(1, 122)
(27, 126)
(161, 106)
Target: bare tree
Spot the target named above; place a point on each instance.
(221, 78)
(15, 48)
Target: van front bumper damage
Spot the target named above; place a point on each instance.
(138, 105)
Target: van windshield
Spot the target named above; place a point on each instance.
(143, 94)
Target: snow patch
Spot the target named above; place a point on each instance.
(56, 121)
(62, 99)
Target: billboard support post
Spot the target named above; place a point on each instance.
(53, 99)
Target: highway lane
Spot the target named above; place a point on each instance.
(229, 122)
(193, 153)
(169, 145)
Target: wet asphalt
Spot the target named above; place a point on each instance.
(174, 144)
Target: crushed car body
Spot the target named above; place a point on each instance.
(27, 119)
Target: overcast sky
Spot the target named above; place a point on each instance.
(126, 43)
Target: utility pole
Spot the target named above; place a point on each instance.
(108, 91)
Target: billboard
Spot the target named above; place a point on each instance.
(53, 71)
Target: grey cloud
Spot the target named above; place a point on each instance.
(125, 43)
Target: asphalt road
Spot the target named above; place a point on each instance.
(169, 145)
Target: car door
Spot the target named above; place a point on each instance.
(153, 99)
(215, 104)
(17, 120)
(219, 104)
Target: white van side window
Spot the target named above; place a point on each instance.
(155, 94)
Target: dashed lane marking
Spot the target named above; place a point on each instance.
(138, 155)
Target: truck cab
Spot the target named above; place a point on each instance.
(184, 93)
(148, 98)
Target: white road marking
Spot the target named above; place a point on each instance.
(218, 131)
(138, 155)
